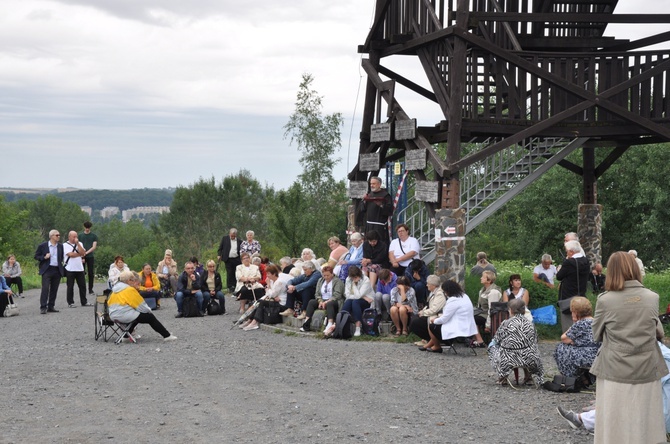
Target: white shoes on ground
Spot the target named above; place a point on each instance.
(170, 338)
(251, 327)
(358, 331)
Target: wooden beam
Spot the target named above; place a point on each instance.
(571, 167)
(407, 83)
(411, 46)
(563, 17)
(375, 30)
(612, 157)
(641, 43)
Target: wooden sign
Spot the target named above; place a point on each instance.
(380, 132)
(426, 191)
(368, 162)
(357, 190)
(405, 129)
(415, 159)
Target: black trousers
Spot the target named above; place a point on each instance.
(50, 282)
(70, 278)
(90, 271)
(419, 326)
(231, 265)
(258, 314)
(332, 307)
(306, 294)
(15, 280)
(149, 318)
(4, 301)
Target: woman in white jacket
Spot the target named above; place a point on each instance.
(457, 319)
(359, 296)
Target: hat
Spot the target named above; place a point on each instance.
(168, 252)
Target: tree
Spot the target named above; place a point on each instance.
(50, 212)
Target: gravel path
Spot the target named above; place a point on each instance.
(217, 384)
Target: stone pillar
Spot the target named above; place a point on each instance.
(450, 249)
(589, 231)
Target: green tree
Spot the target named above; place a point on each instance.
(14, 237)
(50, 212)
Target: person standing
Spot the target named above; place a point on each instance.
(574, 275)
(375, 209)
(90, 242)
(630, 364)
(50, 257)
(74, 252)
(229, 253)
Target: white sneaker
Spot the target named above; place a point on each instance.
(245, 323)
(326, 327)
(358, 331)
(250, 327)
(170, 338)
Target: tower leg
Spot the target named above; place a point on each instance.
(589, 231)
(450, 249)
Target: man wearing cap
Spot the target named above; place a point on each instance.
(50, 256)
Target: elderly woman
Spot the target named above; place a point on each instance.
(630, 364)
(434, 306)
(402, 250)
(303, 286)
(482, 265)
(488, 294)
(149, 286)
(456, 320)
(127, 306)
(375, 256)
(248, 282)
(167, 272)
(516, 291)
(308, 255)
(577, 348)
(403, 306)
(250, 245)
(11, 270)
(359, 296)
(329, 296)
(515, 345)
(115, 271)
(212, 284)
(277, 285)
(337, 251)
(353, 258)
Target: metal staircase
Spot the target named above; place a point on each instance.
(489, 184)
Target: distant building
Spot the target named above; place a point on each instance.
(126, 215)
(87, 210)
(109, 212)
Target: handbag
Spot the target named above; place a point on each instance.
(564, 305)
(11, 309)
(271, 313)
(563, 384)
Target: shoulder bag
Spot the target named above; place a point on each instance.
(11, 309)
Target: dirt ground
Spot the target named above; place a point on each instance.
(217, 384)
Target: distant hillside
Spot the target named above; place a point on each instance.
(98, 199)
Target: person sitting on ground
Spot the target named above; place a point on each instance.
(128, 307)
(304, 287)
(188, 285)
(329, 296)
(149, 286)
(5, 293)
(375, 256)
(11, 270)
(212, 285)
(403, 306)
(354, 257)
(457, 319)
(115, 270)
(488, 294)
(597, 278)
(167, 272)
(337, 251)
(434, 306)
(402, 250)
(248, 287)
(308, 255)
(416, 273)
(482, 265)
(277, 285)
(516, 291)
(359, 296)
(250, 245)
(545, 272)
(382, 299)
(577, 348)
(199, 268)
(515, 345)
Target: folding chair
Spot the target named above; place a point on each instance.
(450, 344)
(124, 332)
(105, 327)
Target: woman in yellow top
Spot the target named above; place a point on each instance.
(150, 286)
(127, 306)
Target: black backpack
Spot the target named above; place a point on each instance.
(190, 307)
(214, 308)
(342, 325)
(370, 322)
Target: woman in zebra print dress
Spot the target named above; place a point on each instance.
(515, 345)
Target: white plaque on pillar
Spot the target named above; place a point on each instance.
(405, 129)
(415, 159)
(357, 190)
(380, 132)
(368, 162)
(426, 191)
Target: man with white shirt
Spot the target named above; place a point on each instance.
(545, 272)
(50, 257)
(229, 253)
(74, 252)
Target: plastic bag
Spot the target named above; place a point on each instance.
(544, 315)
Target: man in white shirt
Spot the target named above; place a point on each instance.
(402, 250)
(74, 252)
(545, 272)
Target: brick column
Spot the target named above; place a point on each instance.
(450, 250)
(589, 231)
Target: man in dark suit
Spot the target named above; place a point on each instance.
(229, 253)
(50, 256)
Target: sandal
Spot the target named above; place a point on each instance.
(475, 344)
(405, 333)
(396, 334)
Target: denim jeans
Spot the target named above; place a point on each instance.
(356, 307)
(179, 298)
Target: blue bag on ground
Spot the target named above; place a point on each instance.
(544, 315)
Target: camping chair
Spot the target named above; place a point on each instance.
(105, 327)
(449, 344)
(124, 332)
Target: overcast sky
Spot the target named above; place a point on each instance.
(157, 93)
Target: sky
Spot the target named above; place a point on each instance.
(120, 94)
